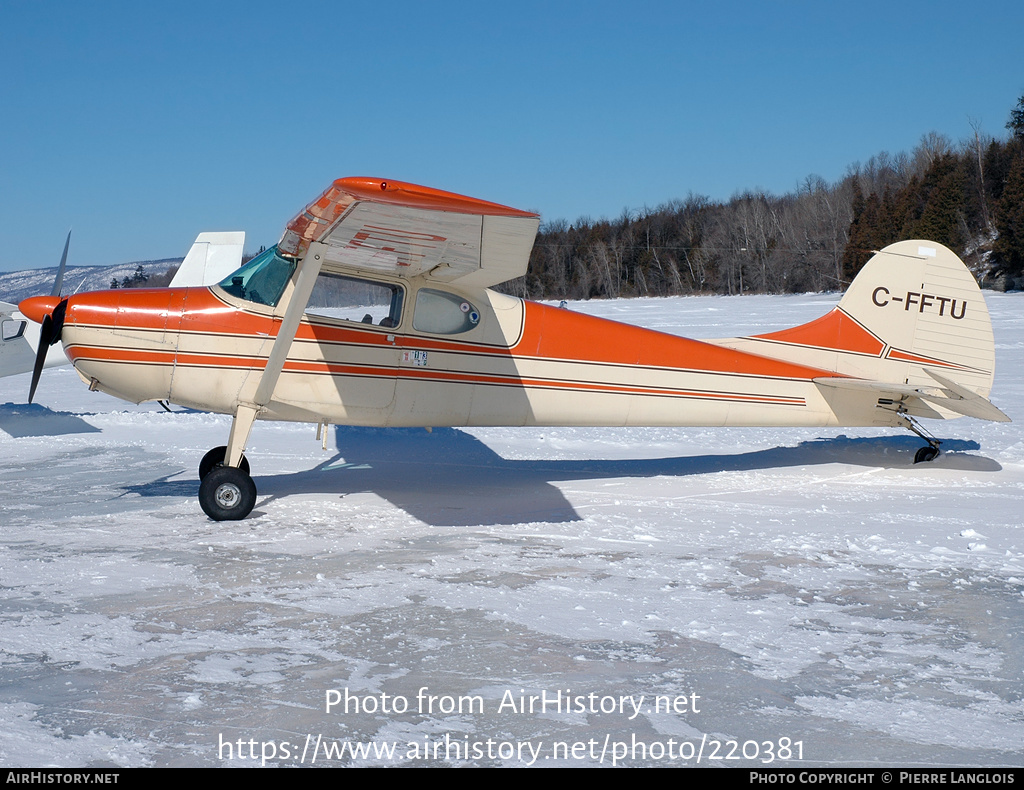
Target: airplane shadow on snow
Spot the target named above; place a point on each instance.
(448, 477)
(19, 420)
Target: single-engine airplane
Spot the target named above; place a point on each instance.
(375, 309)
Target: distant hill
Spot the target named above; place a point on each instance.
(15, 286)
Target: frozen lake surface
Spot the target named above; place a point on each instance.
(778, 592)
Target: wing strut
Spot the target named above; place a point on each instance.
(245, 415)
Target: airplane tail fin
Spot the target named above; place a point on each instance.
(212, 258)
(912, 328)
(922, 302)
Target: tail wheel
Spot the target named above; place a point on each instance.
(215, 458)
(227, 494)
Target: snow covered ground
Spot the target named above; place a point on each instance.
(774, 593)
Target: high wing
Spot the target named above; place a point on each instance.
(406, 230)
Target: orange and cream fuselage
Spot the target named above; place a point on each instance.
(523, 364)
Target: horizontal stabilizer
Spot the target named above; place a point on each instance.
(946, 394)
(964, 401)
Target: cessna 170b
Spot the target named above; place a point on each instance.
(375, 309)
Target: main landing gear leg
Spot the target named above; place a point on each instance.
(227, 492)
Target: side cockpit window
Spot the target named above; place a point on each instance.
(263, 279)
(442, 313)
(355, 299)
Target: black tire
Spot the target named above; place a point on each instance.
(925, 454)
(215, 458)
(227, 494)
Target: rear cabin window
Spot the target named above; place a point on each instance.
(442, 313)
(356, 299)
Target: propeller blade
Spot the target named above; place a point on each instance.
(59, 282)
(45, 331)
(49, 333)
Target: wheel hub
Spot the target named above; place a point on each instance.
(227, 495)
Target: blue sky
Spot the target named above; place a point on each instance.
(141, 125)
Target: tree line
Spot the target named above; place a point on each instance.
(968, 196)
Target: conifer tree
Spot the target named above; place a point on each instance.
(941, 212)
(1009, 220)
(1016, 122)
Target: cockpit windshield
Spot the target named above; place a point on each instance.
(263, 279)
